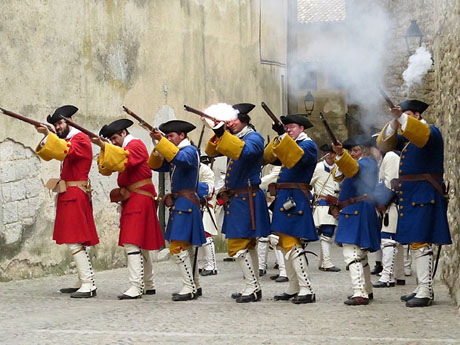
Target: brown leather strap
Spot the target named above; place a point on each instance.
(135, 187)
(354, 200)
(431, 178)
(304, 187)
(190, 194)
(83, 185)
(244, 190)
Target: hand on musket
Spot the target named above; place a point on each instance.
(98, 141)
(43, 130)
(156, 135)
(338, 149)
(396, 112)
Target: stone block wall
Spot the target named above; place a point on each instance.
(439, 20)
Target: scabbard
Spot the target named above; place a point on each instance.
(251, 208)
(210, 216)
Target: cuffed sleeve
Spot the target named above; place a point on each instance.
(53, 148)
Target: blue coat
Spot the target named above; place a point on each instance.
(298, 221)
(422, 209)
(185, 221)
(359, 223)
(237, 219)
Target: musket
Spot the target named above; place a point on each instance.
(26, 119)
(142, 123)
(328, 129)
(201, 137)
(80, 128)
(387, 99)
(270, 114)
(199, 113)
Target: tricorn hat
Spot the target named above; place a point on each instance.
(178, 126)
(358, 140)
(299, 119)
(116, 126)
(64, 111)
(414, 105)
(326, 148)
(243, 111)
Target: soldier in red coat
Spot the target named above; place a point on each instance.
(140, 231)
(74, 223)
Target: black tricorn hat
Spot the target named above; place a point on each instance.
(178, 126)
(243, 111)
(206, 159)
(326, 148)
(358, 140)
(116, 126)
(64, 111)
(414, 105)
(299, 119)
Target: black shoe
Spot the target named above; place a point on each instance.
(185, 297)
(68, 290)
(282, 279)
(128, 297)
(150, 292)
(205, 273)
(200, 270)
(302, 299)
(330, 269)
(400, 282)
(254, 297)
(380, 284)
(229, 259)
(284, 297)
(369, 296)
(199, 293)
(419, 302)
(405, 298)
(357, 301)
(262, 272)
(377, 268)
(274, 277)
(89, 294)
(237, 295)
(276, 266)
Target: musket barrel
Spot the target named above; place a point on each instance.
(26, 119)
(387, 99)
(142, 123)
(80, 128)
(270, 114)
(328, 129)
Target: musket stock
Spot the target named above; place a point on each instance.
(270, 114)
(387, 99)
(80, 128)
(142, 123)
(26, 119)
(328, 129)
(200, 113)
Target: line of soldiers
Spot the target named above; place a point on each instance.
(420, 201)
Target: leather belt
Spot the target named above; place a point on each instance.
(226, 194)
(190, 194)
(304, 187)
(354, 200)
(431, 178)
(135, 187)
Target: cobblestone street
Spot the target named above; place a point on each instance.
(33, 312)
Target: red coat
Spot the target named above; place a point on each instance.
(74, 215)
(139, 221)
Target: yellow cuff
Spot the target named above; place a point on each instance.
(230, 145)
(389, 143)
(269, 155)
(347, 165)
(339, 178)
(211, 147)
(417, 132)
(167, 149)
(54, 148)
(288, 151)
(155, 161)
(113, 158)
(102, 169)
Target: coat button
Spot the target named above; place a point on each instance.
(401, 163)
(346, 216)
(432, 201)
(244, 198)
(401, 214)
(289, 214)
(229, 168)
(65, 151)
(401, 199)
(399, 185)
(253, 194)
(300, 212)
(413, 204)
(174, 207)
(403, 156)
(356, 212)
(400, 207)
(400, 171)
(190, 210)
(281, 209)
(68, 145)
(228, 174)
(228, 212)
(180, 212)
(236, 195)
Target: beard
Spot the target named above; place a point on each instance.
(64, 133)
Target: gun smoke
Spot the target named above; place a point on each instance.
(419, 64)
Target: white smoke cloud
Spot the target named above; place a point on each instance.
(222, 112)
(351, 55)
(419, 64)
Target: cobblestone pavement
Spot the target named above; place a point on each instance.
(32, 312)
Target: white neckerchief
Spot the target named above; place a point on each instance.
(244, 131)
(127, 140)
(330, 167)
(183, 143)
(302, 137)
(72, 132)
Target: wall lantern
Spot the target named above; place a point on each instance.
(413, 37)
(309, 102)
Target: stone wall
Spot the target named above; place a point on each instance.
(439, 20)
(100, 55)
